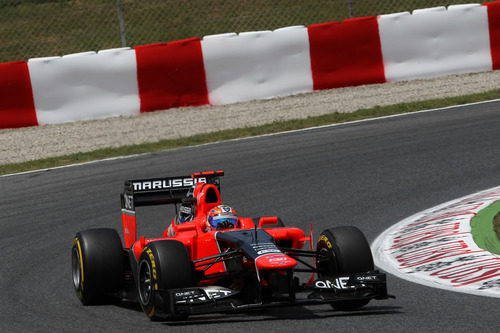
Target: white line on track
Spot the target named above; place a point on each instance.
(265, 135)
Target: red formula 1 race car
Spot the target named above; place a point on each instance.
(210, 260)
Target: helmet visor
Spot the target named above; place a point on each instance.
(220, 219)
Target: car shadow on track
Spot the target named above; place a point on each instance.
(274, 314)
(284, 313)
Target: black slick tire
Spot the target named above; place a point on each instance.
(97, 265)
(162, 265)
(346, 251)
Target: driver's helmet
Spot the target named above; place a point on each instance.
(222, 217)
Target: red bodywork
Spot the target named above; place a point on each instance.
(200, 240)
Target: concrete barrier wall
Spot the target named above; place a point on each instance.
(346, 54)
(84, 86)
(17, 108)
(435, 41)
(257, 65)
(171, 75)
(229, 68)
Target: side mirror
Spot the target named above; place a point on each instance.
(271, 220)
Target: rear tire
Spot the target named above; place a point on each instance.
(97, 265)
(162, 265)
(346, 251)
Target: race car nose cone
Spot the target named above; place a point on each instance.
(275, 261)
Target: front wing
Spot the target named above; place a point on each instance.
(213, 299)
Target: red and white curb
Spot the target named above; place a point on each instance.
(435, 248)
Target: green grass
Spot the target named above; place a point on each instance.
(483, 228)
(334, 118)
(496, 225)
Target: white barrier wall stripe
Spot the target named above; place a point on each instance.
(257, 65)
(435, 42)
(85, 86)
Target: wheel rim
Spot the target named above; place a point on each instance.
(327, 266)
(76, 269)
(145, 283)
(322, 264)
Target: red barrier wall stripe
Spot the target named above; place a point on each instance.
(17, 107)
(346, 54)
(171, 75)
(494, 26)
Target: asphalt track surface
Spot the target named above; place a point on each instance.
(369, 174)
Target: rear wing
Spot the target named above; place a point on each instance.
(169, 190)
(158, 191)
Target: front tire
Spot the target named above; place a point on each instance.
(97, 265)
(162, 265)
(346, 251)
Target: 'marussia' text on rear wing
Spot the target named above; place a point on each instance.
(158, 191)
(168, 190)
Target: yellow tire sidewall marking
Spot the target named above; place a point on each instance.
(78, 246)
(154, 276)
(326, 240)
